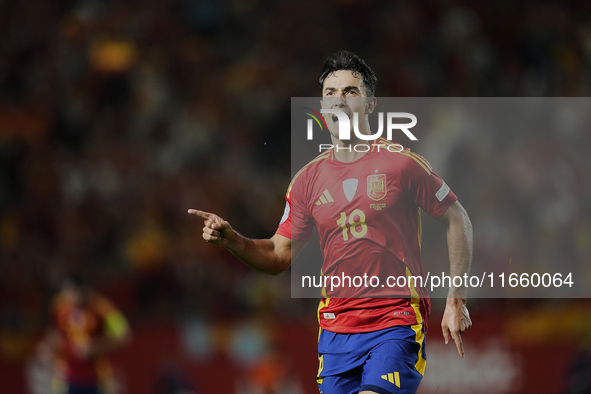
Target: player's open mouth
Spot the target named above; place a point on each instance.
(335, 119)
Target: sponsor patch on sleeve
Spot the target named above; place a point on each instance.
(442, 192)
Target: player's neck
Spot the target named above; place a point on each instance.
(347, 152)
(353, 149)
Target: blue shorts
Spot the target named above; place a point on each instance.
(389, 361)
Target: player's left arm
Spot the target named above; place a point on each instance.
(116, 333)
(456, 318)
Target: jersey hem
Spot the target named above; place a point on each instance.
(371, 328)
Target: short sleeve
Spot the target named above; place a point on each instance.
(296, 222)
(424, 187)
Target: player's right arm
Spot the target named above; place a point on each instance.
(271, 256)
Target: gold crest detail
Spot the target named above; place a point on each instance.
(376, 186)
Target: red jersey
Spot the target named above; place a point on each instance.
(367, 214)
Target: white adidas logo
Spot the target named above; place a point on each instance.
(325, 198)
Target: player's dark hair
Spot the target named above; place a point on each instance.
(347, 60)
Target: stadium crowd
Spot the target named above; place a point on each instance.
(115, 117)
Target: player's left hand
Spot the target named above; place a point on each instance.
(456, 320)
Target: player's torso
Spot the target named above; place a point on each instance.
(362, 214)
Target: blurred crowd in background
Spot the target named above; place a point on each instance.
(116, 117)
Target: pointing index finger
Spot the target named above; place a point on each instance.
(201, 214)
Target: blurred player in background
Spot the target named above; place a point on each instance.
(366, 345)
(85, 327)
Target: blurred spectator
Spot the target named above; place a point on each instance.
(172, 379)
(578, 380)
(271, 374)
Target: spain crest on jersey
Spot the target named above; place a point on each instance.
(376, 186)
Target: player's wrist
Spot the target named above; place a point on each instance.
(235, 242)
(456, 298)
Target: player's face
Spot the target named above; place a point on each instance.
(343, 90)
